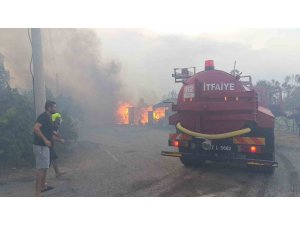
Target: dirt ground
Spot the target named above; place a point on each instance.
(126, 161)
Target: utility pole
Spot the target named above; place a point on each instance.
(57, 90)
(38, 72)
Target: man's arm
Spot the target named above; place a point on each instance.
(57, 138)
(57, 133)
(38, 132)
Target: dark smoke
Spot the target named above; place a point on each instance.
(97, 81)
(85, 74)
(74, 56)
(15, 47)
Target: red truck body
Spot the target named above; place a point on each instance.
(214, 102)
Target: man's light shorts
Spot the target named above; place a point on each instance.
(42, 156)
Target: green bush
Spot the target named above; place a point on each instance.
(16, 122)
(17, 119)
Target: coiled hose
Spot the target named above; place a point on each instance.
(212, 136)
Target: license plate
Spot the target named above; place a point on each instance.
(219, 148)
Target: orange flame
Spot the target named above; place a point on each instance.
(140, 115)
(122, 114)
(159, 113)
(143, 114)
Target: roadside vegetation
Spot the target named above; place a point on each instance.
(290, 89)
(17, 118)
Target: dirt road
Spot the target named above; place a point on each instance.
(126, 161)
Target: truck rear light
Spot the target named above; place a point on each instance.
(179, 140)
(250, 148)
(253, 149)
(177, 144)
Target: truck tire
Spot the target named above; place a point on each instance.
(268, 134)
(187, 161)
(190, 161)
(270, 169)
(270, 145)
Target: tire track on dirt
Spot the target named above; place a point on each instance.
(263, 187)
(293, 175)
(246, 185)
(183, 184)
(145, 187)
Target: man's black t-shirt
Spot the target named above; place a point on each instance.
(47, 129)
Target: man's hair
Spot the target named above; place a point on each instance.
(49, 104)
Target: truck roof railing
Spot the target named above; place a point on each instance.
(182, 74)
(246, 81)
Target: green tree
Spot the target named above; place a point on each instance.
(4, 75)
(291, 90)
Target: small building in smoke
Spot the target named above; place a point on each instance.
(159, 116)
(156, 115)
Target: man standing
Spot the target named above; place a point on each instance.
(56, 121)
(43, 131)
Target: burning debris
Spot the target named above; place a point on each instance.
(122, 113)
(127, 114)
(159, 113)
(143, 114)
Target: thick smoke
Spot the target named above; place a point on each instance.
(83, 61)
(15, 46)
(83, 72)
(73, 67)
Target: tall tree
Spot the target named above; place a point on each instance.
(4, 75)
(291, 90)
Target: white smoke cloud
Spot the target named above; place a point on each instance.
(99, 67)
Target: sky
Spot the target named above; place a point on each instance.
(148, 56)
(145, 58)
(133, 52)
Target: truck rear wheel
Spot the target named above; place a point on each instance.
(270, 169)
(270, 145)
(190, 160)
(268, 134)
(187, 161)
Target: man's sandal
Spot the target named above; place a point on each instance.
(58, 175)
(47, 188)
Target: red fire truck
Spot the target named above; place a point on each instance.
(218, 117)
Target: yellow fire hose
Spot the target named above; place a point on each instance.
(213, 136)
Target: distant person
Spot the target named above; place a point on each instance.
(56, 120)
(43, 132)
(296, 117)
